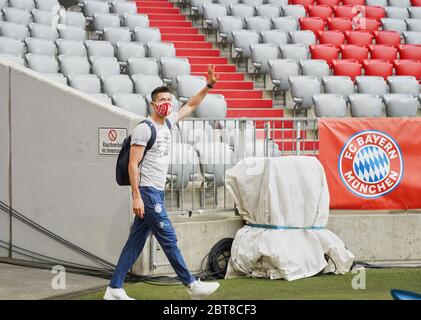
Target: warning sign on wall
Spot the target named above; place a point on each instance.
(110, 140)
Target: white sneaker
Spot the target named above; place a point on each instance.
(199, 290)
(116, 294)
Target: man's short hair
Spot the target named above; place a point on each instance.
(158, 90)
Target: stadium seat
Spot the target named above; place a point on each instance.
(41, 63)
(171, 68)
(211, 12)
(320, 11)
(213, 106)
(104, 20)
(326, 52)
(14, 30)
(329, 105)
(295, 11)
(350, 68)
(396, 12)
(401, 105)
(302, 90)
(314, 24)
(350, 51)
(397, 25)
(145, 66)
(359, 38)
(184, 164)
(242, 40)
(159, 50)
(227, 3)
(99, 48)
(70, 65)
(333, 37)
(365, 105)
(72, 18)
(341, 24)
(260, 56)
(278, 3)
(226, 25)
(404, 85)
(253, 2)
(399, 3)
(353, 2)
(314, 67)
(88, 83)
(410, 51)
(268, 11)
(47, 5)
(123, 7)
(367, 24)
(12, 46)
(258, 24)
(347, 12)
(414, 12)
(380, 51)
(276, 37)
(416, 3)
(43, 31)
(188, 86)
(412, 37)
(196, 7)
(56, 77)
(413, 24)
(285, 23)
(378, 67)
(22, 4)
(132, 102)
(280, 70)
(241, 11)
(12, 58)
(330, 3)
(408, 68)
(341, 85)
(145, 84)
(114, 35)
(381, 3)
(371, 85)
(118, 83)
(94, 7)
(304, 37)
(375, 12)
(40, 46)
(70, 32)
(45, 17)
(295, 52)
(388, 38)
(17, 16)
(127, 50)
(145, 35)
(105, 66)
(133, 21)
(101, 97)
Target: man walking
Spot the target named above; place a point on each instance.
(148, 194)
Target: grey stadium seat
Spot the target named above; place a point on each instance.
(173, 67)
(132, 102)
(145, 66)
(305, 37)
(17, 16)
(188, 86)
(227, 3)
(147, 34)
(371, 85)
(14, 30)
(241, 11)
(119, 83)
(160, 50)
(105, 66)
(285, 23)
(99, 48)
(260, 56)
(183, 166)
(195, 132)
(302, 90)
(413, 24)
(211, 12)
(114, 35)
(258, 24)
(414, 12)
(127, 50)
(122, 7)
(42, 64)
(104, 20)
(278, 3)
(253, 3)
(401, 105)
(398, 25)
(213, 106)
(381, 3)
(399, 3)
(45, 17)
(226, 25)
(296, 11)
(43, 31)
(56, 77)
(329, 105)
(74, 65)
(71, 48)
(404, 85)
(280, 71)
(295, 52)
(268, 10)
(341, 85)
(145, 84)
(133, 21)
(365, 105)
(72, 18)
(101, 97)
(22, 4)
(92, 7)
(196, 7)
(276, 37)
(241, 41)
(40, 46)
(396, 13)
(48, 5)
(71, 32)
(314, 67)
(12, 58)
(12, 46)
(88, 83)
(412, 37)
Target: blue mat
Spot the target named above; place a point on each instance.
(404, 295)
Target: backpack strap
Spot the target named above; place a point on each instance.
(152, 139)
(168, 123)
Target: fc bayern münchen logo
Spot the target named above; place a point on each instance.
(371, 164)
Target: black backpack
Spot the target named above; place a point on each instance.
(122, 167)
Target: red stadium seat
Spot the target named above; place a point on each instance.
(341, 24)
(350, 51)
(304, 3)
(370, 25)
(416, 3)
(334, 37)
(380, 68)
(374, 12)
(328, 2)
(388, 38)
(348, 12)
(321, 11)
(326, 52)
(350, 68)
(410, 51)
(381, 51)
(359, 38)
(314, 24)
(353, 2)
(408, 68)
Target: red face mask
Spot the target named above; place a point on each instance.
(163, 109)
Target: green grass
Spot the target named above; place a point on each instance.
(324, 287)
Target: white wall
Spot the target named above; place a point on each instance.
(59, 179)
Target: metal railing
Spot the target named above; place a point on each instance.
(203, 149)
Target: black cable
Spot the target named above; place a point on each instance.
(217, 260)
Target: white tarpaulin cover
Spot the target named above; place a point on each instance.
(285, 203)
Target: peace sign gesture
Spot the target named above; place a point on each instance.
(212, 76)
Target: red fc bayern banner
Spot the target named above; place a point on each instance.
(372, 163)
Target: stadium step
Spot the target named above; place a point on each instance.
(278, 134)
(170, 23)
(182, 37)
(198, 52)
(257, 113)
(192, 45)
(249, 103)
(234, 85)
(154, 4)
(241, 94)
(172, 17)
(157, 10)
(207, 60)
(224, 76)
(179, 30)
(218, 67)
